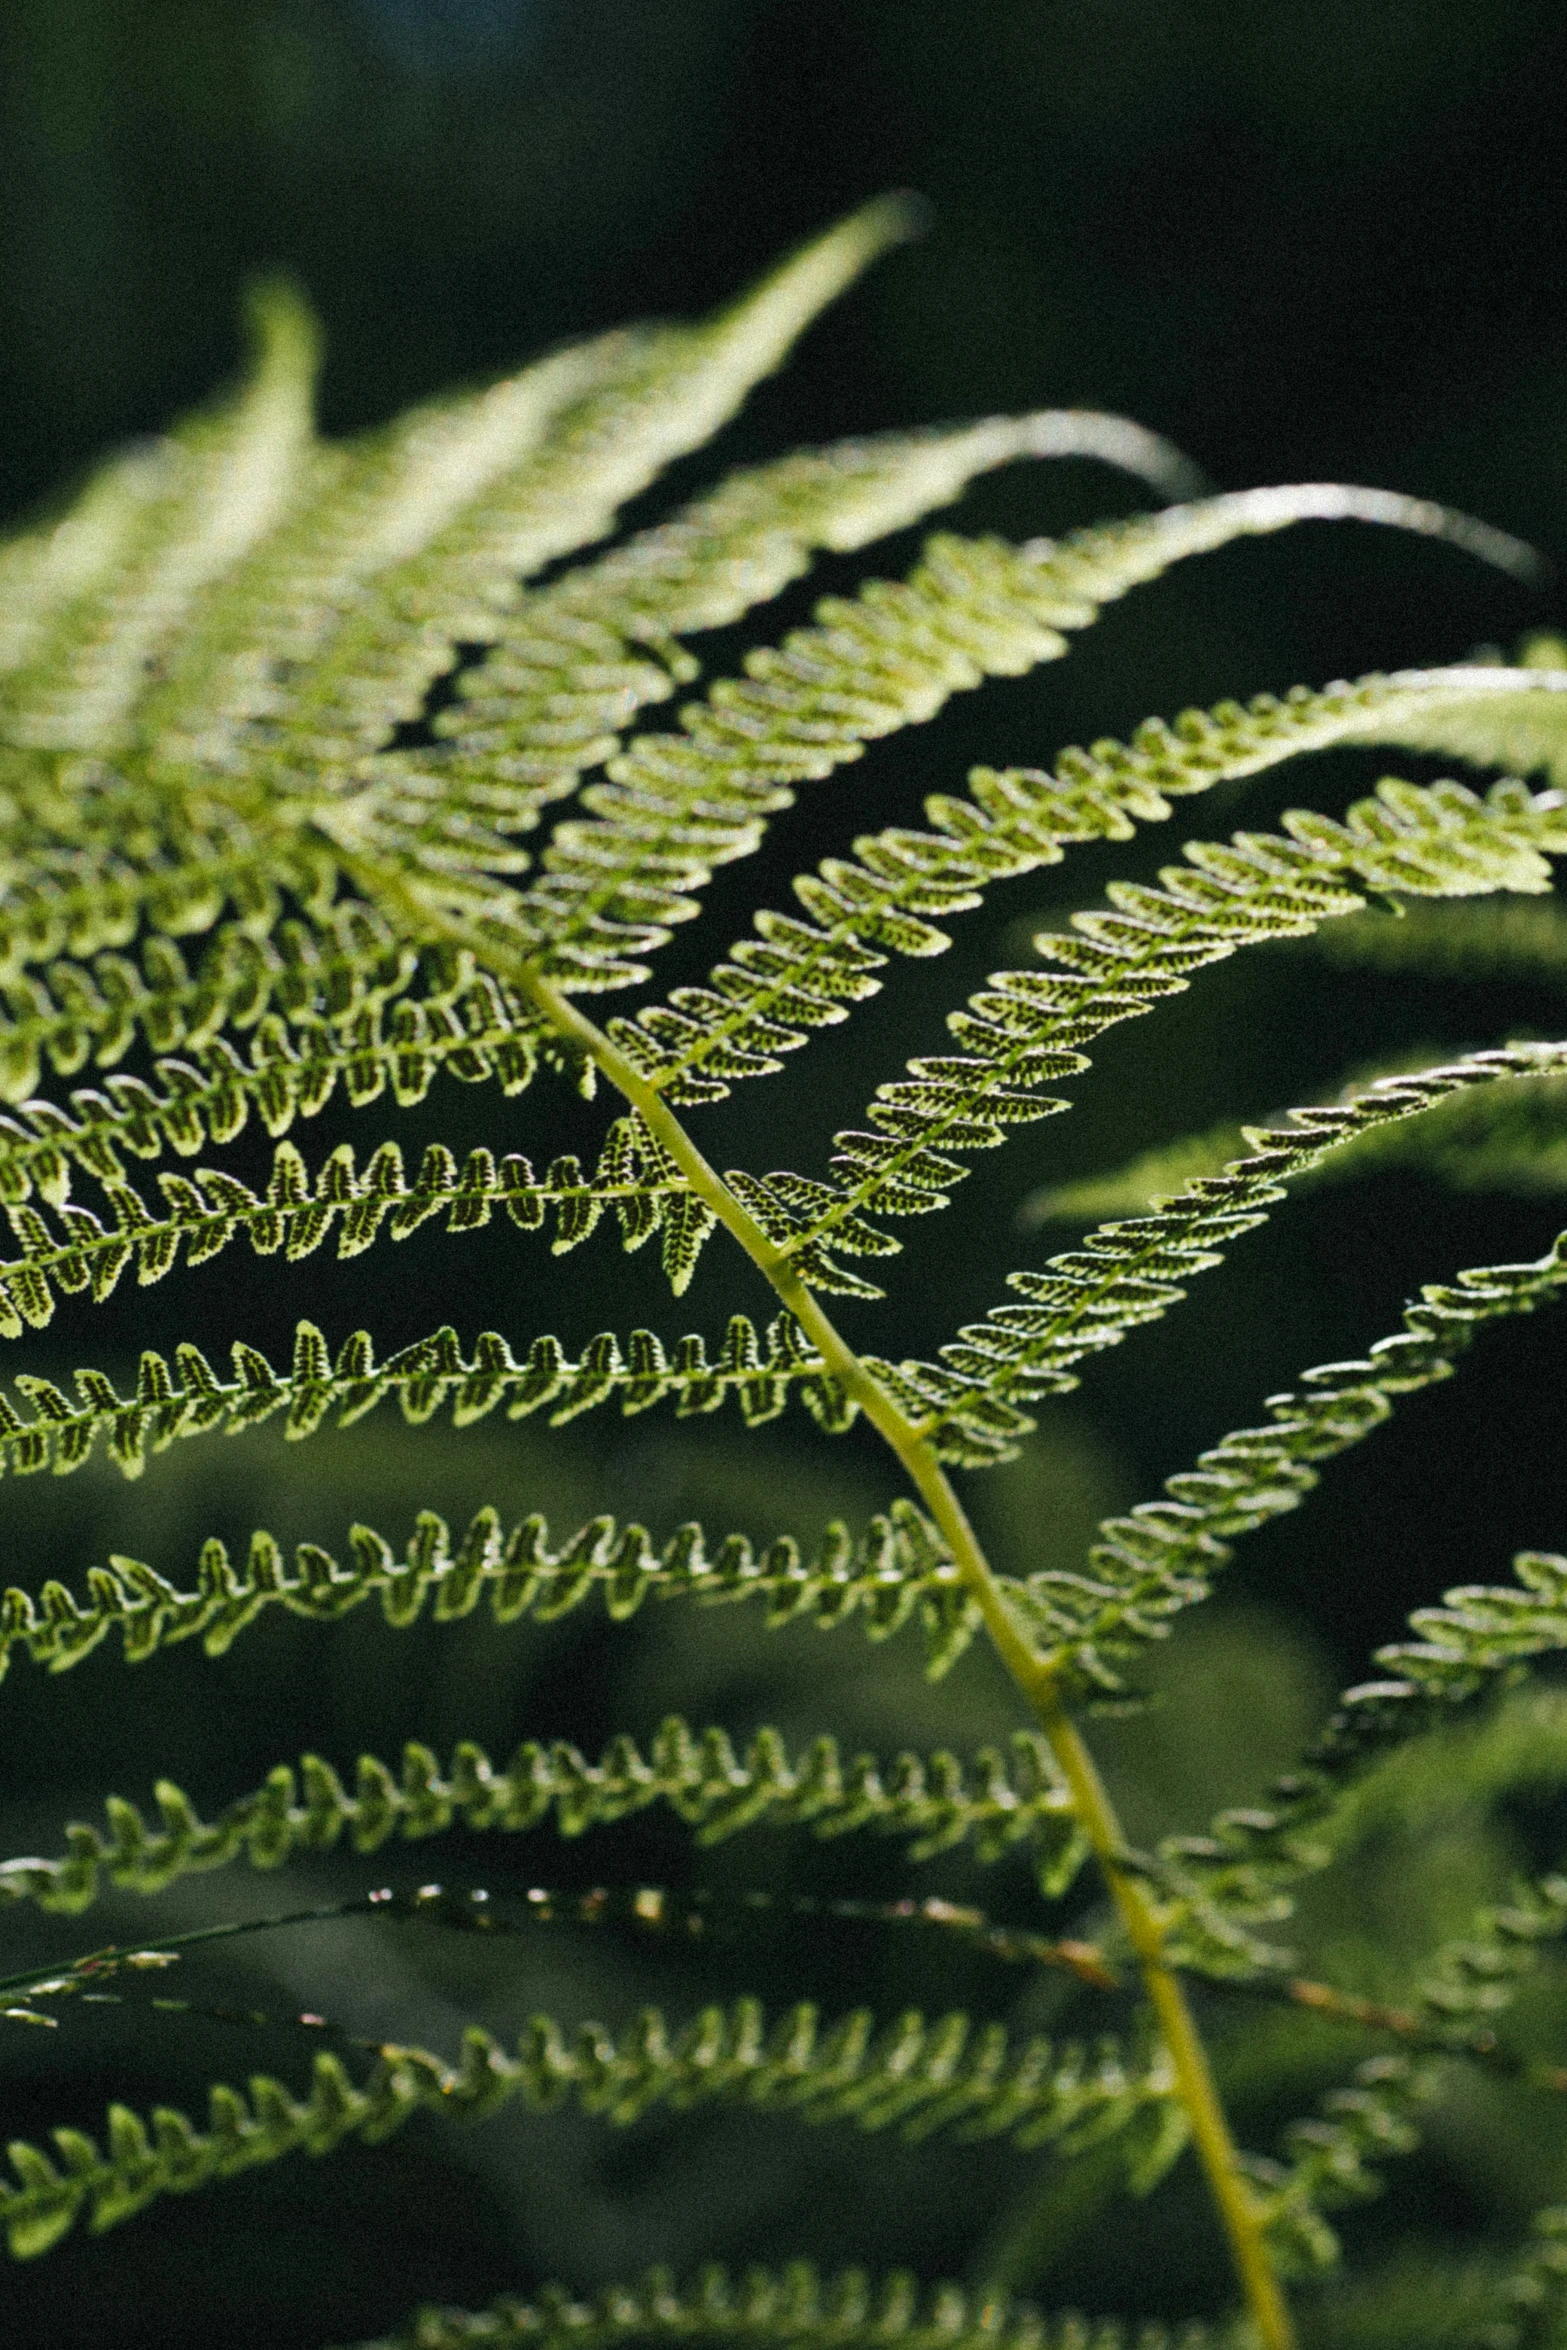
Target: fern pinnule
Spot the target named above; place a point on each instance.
(306, 1047)
(1025, 1027)
(425, 536)
(433, 1373)
(204, 497)
(1527, 2302)
(1130, 1271)
(914, 2076)
(797, 975)
(675, 806)
(1471, 1646)
(581, 656)
(1000, 1802)
(203, 1212)
(898, 1569)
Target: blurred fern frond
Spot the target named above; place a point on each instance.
(791, 2305)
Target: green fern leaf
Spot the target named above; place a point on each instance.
(1130, 1272)
(115, 583)
(1334, 2152)
(565, 676)
(426, 534)
(304, 705)
(1527, 2301)
(794, 976)
(191, 1400)
(789, 2306)
(678, 805)
(1514, 1140)
(898, 1570)
(1334, 2155)
(913, 2076)
(342, 1019)
(1237, 1875)
(297, 1214)
(325, 628)
(1025, 1027)
(999, 1803)
(1160, 1558)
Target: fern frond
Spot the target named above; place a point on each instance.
(1130, 1272)
(324, 636)
(1025, 1027)
(796, 975)
(73, 1012)
(326, 1012)
(1335, 2155)
(117, 581)
(1476, 1974)
(1160, 1557)
(204, 1211)
(222, 716)
(46, 571)
(191, 1400)
(999, 1802)
(1512, 1140)
(338, 963)
(242, 675)
(177, 876)
(914, 2076)
(678, 805)
(338, 633)
(567, 673)
(899, 1569)
(111, 2183)
(1481, 1630)
(791, 2305)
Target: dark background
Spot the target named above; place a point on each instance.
(1305, 241)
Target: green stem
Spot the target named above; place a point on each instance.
(1198, 2092)
(1039, 1682)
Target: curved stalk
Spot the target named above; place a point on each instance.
(1138, 1912)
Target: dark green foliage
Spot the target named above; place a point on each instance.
(282, 727)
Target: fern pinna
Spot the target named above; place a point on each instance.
(277, 721)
